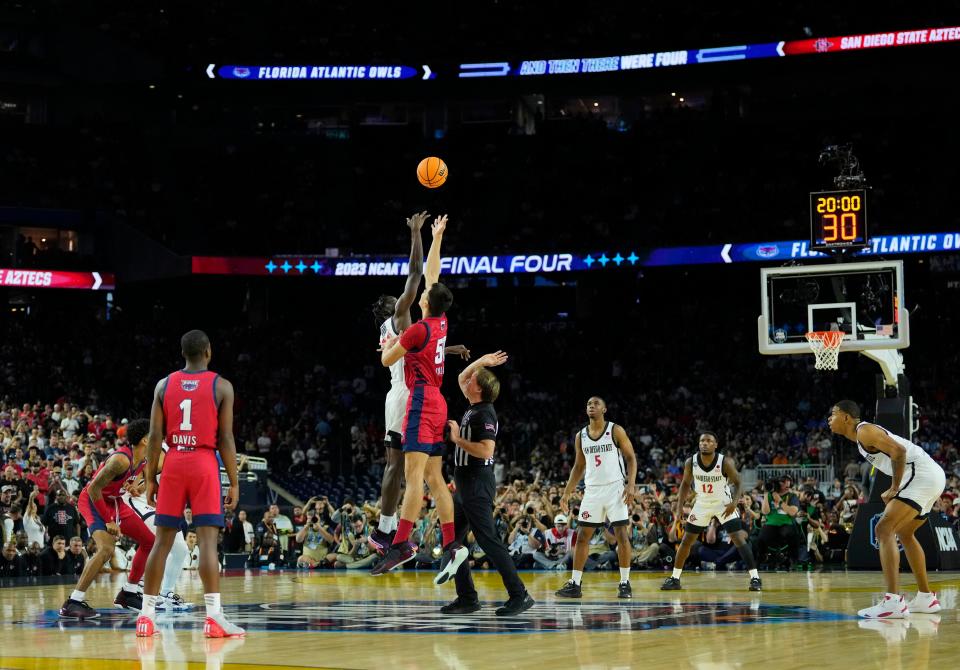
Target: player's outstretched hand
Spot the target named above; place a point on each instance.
(439, 225)
(416, 221)
(233, 495)
(494, 359)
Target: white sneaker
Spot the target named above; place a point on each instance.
(173, 602)
(924, 603)
(891, 607)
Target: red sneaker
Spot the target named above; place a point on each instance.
(218, 626)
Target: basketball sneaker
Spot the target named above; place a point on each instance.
(381, 541)
(129, 601)
(218, 626)
(756, 584)
(891, 607)
(515, 605)
(459, 606)
(77, 609)
(173, 602)
(924, 603)
(624, 590)
(670, 584)
(454, 555)
(397, 555)
(570, 590)
(145, 627)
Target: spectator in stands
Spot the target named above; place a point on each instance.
(555, 552)
(11, 563)
(32, 523)
(267, 555)
(53, 559)
(715, 549)
(779, 508)
(809, 519)
(282, 524)
(76, 556)
(22, 488)
(61, 517)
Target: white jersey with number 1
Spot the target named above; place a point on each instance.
(396, 404)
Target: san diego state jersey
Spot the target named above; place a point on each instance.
(190, 410)
(710, 484)
(603, 457)
(425, 342)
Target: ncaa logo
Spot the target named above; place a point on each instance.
(779, 336)
(189, 384)
(241, 72)
(768, 251)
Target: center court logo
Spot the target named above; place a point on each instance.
(424, 617)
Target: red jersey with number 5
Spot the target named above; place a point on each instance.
(190, 410)
(425, 342)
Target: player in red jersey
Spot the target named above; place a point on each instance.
(422, 349)
(106, 515)
(192, 412)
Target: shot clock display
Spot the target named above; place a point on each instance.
(838, 220)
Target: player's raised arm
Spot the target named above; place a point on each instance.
(155, 443)
(226, 445)
(872, 436)
(576, 474)
(432, 272)
(401, 312)
(630, 460)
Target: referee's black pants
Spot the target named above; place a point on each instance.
(473, 510)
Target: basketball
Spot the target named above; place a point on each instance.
(432, 172)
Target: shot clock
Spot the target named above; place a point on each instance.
(838, 220)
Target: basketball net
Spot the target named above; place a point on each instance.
(825, 345)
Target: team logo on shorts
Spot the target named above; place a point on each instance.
(585, 514)
(189, 384)
(691, 517)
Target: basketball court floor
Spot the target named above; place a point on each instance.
(345, 620)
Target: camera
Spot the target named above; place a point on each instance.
(575, 511)
(315, 520)
(635, 518)
(772, 485)
(530, 510)
(555, 500)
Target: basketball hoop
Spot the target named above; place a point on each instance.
(826, 347)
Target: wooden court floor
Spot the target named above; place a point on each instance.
(347, 620)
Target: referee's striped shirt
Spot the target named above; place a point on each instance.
(479, 423)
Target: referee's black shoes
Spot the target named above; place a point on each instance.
(516, 605)
(570, 590)
(459, 606)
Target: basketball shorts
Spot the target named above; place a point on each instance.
(130, 523)
(923, 485)
(190, 478)
(395, 408)
(705, 510)
(425, 420)
(603, 502)
(146, 513)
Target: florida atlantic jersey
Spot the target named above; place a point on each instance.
(190, 409)
(603, 457)
(425, 342)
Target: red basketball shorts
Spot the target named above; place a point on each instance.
(424, 421)
(129, 521)
(190, 478)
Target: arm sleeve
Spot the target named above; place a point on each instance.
(414, 338)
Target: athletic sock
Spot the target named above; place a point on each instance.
(78, 595)
(403, 531)
(677, 572)
(212, 601)
(624, 575)
(130, 588)
(449, 534)
(577, 576)
(754, 574)
(387, 523)
(149, 608)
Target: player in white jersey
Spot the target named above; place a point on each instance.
(393, 316)
(135, 496)
(608, 466)
(917, 484)
(711, 476)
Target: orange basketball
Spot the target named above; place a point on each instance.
(432, 172)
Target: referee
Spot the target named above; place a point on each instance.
(476, 488)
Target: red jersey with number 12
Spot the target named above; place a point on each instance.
(190, 410)
(425, 342)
